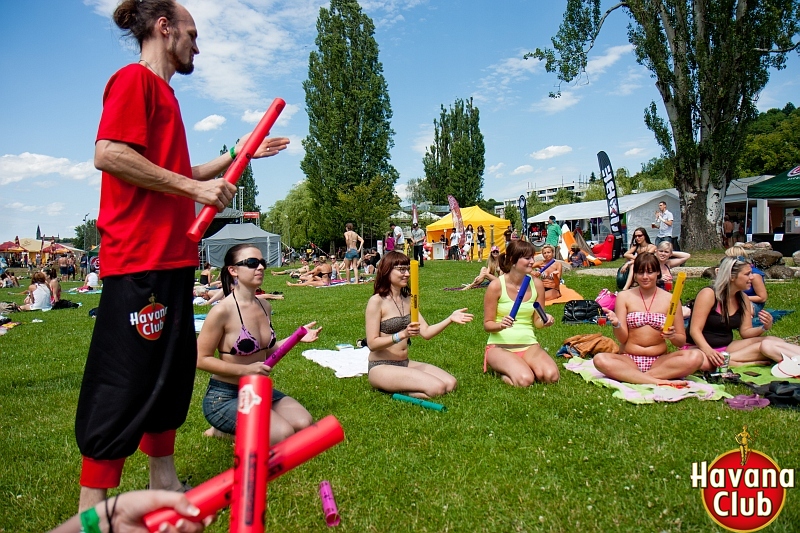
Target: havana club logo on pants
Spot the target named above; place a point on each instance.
(149, 321)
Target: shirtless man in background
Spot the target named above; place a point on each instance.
(351, 256)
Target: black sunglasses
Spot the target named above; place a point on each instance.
(252, 262)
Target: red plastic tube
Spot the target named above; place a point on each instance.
(215, 494)
(251, 455)
(234, 171)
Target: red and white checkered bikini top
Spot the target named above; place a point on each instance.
(640, 319)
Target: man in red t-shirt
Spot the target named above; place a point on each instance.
(139, 373)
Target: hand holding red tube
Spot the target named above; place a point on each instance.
(253, 147)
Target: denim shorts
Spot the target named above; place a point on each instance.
(220, 404)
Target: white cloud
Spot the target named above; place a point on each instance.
(53, 209)
(252, 117)
(634, 151)
(551, 151)
(497, 86)
(551, 106)
(401, 190)
(295, 146)
(524, 169)
(630, 82)
(494, 168)
(15, 168)
(424, 138)
(211, 122)
(246, 43)
(599, 64)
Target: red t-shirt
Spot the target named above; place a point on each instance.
(143, 229)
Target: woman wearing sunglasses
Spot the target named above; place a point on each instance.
(757, 293)
(239, 329)
(488, 273)
(640, 244)
(724, 307)
(389, 330)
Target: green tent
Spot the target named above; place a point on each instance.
(94, 252)
(784, 185)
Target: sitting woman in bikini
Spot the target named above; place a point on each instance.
(242, 349)
(488, 273)
(551, 277)
(389, 329)
(723, 308)
(644, 357)
(512, 350)
(640, 244)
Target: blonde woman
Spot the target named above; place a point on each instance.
(551, 277)
(488, 273)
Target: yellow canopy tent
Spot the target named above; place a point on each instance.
(477, 217)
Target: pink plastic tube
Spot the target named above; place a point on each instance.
(251, 455)
(284, 348)
(234, 171)
(215, 494)
(328, 504)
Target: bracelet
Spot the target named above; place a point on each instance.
(90, 522)
(232, 152)
(110, 517)
(396, 338)
(619, 325)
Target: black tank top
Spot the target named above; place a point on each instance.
(715, 331)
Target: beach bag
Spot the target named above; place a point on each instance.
(606, 299)
(581, 311)
(65, 304)
(589, 344)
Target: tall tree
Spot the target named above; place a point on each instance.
(773, 144)
(349, 131)
(292, 216)
(710, 60)
(455, 162)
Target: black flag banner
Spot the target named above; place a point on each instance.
(614, 216)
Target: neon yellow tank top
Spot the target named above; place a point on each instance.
(522, 331)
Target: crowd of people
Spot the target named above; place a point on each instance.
(140, 368)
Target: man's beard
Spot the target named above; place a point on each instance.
(181, 67)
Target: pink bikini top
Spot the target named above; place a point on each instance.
(640, 319)
(246, 344)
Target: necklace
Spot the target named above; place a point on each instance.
(399, 307)
(647, 307)
(148, 65)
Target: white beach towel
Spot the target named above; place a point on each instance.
(346, 363)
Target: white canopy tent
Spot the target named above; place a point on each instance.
(640, 210)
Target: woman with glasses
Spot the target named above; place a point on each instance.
(488, 273)
(512, 349)
(239, 329)
(724, 307)
(638, 320)
(389, 331)
(640, 244)
(551, 277)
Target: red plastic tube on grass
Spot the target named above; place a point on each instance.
(251, 455)
(284, 348)
(234, 171)
(215, 494)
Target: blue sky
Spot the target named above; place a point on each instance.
(57, 56)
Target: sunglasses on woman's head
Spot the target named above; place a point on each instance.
(252, 262)
(743, 259)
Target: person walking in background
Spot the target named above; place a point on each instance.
(454, 238)
(418, 238)
(399, 238)
(137, 384)
(664, 220)
(553, 232)
(352, 239)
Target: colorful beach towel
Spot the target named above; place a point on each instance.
(762, 377)
(639, 394)
(567, 295)
(346, 363)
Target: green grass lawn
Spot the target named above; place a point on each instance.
(564, 457)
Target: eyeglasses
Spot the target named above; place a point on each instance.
(252, 262)
(638, 236)
(403, 269)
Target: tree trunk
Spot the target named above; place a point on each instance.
(701, 214)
